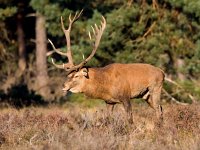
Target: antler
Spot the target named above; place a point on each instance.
(68, 54)
(97, 34)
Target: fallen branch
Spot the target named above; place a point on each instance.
(174, 99)
(173, 82)
(181, 87)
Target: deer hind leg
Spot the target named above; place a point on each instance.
(110, 108)
(154, 101)
(128, 109)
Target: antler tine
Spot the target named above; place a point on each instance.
(62, 24)
(56, 65)
(96, 27)
(52, 44)
(89, 35)
(62, 66)
(55, 49)
(98, 31)
(75, 17)
(83, 56)
(70, 17)
(78, 14)
(66, 66)
(93, 30)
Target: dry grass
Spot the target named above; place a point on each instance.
(91, 128)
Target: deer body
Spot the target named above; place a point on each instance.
(114, 83)
(118, 83)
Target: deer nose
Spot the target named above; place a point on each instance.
(65, 88)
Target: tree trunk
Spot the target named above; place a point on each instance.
(41, 62)
(15, 78)
(179, 65)
(21, 45)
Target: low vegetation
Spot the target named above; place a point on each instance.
(81, 127)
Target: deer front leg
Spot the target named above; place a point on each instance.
(128, 109)
(110, 108)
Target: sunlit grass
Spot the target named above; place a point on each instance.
(75, 126)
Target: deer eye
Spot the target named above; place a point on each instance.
(76, 76)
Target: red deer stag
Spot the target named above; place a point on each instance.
(114, 83)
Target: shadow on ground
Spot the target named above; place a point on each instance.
(19, 96)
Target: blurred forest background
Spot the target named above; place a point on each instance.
(164, 33)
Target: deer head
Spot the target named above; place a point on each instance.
(96, 34)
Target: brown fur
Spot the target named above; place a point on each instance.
(118, 83)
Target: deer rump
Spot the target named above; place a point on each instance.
(118, 83)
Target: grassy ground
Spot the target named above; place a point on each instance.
(76, 127)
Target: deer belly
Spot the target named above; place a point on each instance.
(139, 93)
(111, 101)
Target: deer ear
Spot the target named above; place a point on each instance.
(85, 72)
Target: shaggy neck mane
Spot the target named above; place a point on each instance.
(97, 82)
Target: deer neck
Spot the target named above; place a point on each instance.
(96, 83)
